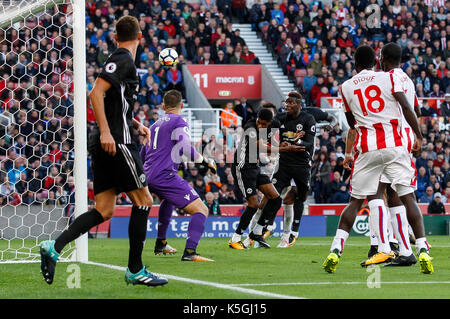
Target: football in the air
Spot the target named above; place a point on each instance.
(168, 57)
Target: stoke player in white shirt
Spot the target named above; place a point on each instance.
(375, 103)
(389, 61)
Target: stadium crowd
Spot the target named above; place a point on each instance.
(313, 42)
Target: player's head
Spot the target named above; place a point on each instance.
(172, 101)
(293, 103)
(364, 58)
(264, 118)
(391, 56)
(270, 106)
(128, 29)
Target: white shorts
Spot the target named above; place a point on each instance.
(385, 179)
(393, 162)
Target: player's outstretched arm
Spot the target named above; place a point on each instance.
(98, 104)
(410, 117)
(350, 141)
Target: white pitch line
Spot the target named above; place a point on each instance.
(299, 243)
(206, 283)
(338, 283)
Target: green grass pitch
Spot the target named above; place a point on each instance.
(250, 274)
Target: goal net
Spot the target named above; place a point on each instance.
(38, 126)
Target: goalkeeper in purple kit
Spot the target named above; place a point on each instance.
(169, 142)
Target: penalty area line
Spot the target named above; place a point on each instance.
(339, 283)
(206, 283)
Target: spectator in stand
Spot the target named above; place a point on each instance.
(212, 204)
(229, 117)
(316, 89)
(427, 110)
(244, 110)
(248, 56)
(436, 206)
(294, 60)
(277, 14)
(445, 106)
(428, 196)
(308, 82)
(237, 58)
(342, 196)
(174, 79)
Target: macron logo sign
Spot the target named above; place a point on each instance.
(230, 79)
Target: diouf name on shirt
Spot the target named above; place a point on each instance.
(363, 79)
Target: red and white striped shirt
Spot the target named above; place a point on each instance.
(369, 95)
(410, 92)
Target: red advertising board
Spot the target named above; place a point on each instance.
(228, 81)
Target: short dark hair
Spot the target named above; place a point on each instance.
(296, 96)
(265, 115)
(172, 98)
(365, 57)
(392, 53)
(127, 29)
(269, 105)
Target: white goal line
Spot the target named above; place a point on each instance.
(206, 283)
(339, 283)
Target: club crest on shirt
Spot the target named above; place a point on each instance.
(249, 190)
(299, 127)
(142, 178)
(110, 67)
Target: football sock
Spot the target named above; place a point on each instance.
(391, 232)
(137, 230)
(195, 230)
(245, 219)
(400, 228)
(258, 229)
(255, 218)
(337, 246)
(298, 212)
(287, 218)
(235, 238)
(271, 209)
(381, 220)
(80, 225)
(421, 243)
(372, 233)
(164, 215)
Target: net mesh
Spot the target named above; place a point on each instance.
(36, 126)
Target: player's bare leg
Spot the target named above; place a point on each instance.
(199, 213)
(50, 250)
(164, 216)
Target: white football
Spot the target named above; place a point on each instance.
(168, 57)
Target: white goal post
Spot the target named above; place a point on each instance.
(29, 216)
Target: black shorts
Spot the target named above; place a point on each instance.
(300, 174)
(123, 171)
(249, 179)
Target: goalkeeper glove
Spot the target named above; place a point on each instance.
(211, 164)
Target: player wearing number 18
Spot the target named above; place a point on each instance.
(374, 104)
